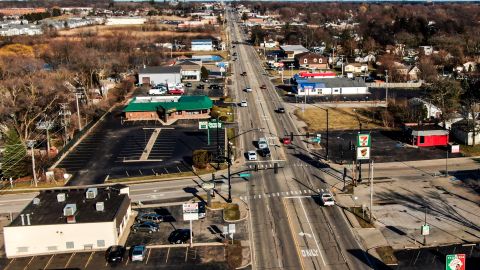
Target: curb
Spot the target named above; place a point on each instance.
(186, 245)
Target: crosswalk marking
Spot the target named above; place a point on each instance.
(281, 194)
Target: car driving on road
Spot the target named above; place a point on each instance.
(248, 89)
(327, 199)
(243, 103)
(265, 152)
(252, 155)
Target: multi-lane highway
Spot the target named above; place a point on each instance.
(293, 232)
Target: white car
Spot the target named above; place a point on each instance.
(243, 103)
(327, 199)
(248, 89)
(138, 253)
(252, 155)
(262, 143)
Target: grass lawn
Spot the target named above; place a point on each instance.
(231, 212)
(339, 119)
(234, 254)
(386, 254)
(471, 151)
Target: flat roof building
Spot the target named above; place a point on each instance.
(60, 221)
(202, 45)
(160, 74)
(330, 86)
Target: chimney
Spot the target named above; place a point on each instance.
(23, 220)
(28, 219)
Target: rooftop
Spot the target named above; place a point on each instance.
(50, 211)
(184, 103)
(201, 40)
(334, 82)
(160, 69)
(294, 48)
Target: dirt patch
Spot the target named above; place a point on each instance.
(234, 255)
(339, 119)
(386, 255)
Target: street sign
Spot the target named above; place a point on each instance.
(455, 262)
(190, 211)
(203, 125)
(214, 124)
(363, 153)
(231, 228)
(244, 175)
(363, 140)
(425, 229)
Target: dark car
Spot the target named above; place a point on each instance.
(200, 86)
(280, 110)
(149, 227)
(114, 254)
(188, 84)
(153, 217)
(244, 73)
(179, 236)
(214, 86)
(234, 54)
(265, 152)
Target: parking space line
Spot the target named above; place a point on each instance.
(68, 262)
(49, 261)
(186, 254)
(168, 253)
(148, 255)
(128, 259)
(26, 266)
(8, 265)
(89, 259)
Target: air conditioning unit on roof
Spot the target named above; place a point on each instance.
(61, 197)
(69, 209)
(92, 193)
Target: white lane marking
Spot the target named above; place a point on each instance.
(311, 230)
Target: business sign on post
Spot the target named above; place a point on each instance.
(455, 262)
(425, 229)
(190, 211)
(215, 124)
(363, 140)
(203, 125)
(363, 153)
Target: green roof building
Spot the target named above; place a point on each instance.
(168, 109)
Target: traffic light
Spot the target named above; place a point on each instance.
(256, 167)
(275, 168)
(308, 135)
(291, 136)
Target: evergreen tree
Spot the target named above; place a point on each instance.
(14, 163)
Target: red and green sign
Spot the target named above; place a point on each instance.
(455, 262)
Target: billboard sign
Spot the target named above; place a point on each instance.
(455, 262)
(363, 140)
(363, 153)
(190, 211)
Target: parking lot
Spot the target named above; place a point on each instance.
(387, 146)
(205, 257)
(117, 150)
(206, 230)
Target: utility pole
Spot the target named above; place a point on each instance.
(386, 87)
(328, 137)
(47, 125)
(64, 112)
(371, 191)
(78, 111)
(229, 163)
(31, 144)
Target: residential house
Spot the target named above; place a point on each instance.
(311, 60)
(397, 49)
(426, 50)
(356, 68)
(168, 109)
(369, 58)
(413, 73)
(270, 44)
(160, 74)
(69, 221)
(202, 45)
(291, 50)
(463, 132)
(433, 112)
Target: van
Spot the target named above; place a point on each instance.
(262, 143)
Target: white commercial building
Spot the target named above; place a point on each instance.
(331, 86)
(159, 74)
(64, 221)
(202, 45)
(125, 20)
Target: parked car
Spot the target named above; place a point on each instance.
(154, 92)
(265, 152)
(280, 110)
(327, 199)
(214, 86)
(147, 226)
(243, 103)
(202, 213)
(176, 92)
(179, 236)
(252, 155)
(153, 217)
(188, 84)
(262, 143)
(248, 89)
(137, 253)
(204, 80)
(200, 86)
(114, 254)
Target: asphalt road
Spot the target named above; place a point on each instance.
(279, 229)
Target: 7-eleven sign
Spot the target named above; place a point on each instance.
(363, 140)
